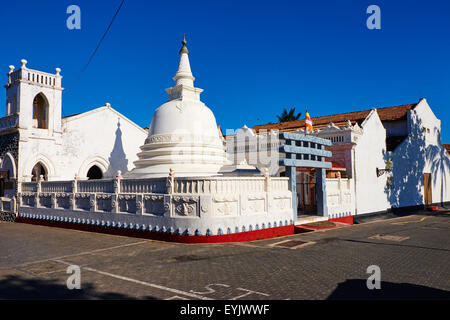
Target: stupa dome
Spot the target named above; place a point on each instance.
(183, 133)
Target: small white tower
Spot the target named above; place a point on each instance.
(35, 98)
(183, 135)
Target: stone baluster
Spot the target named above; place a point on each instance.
(170, 182)
(117, 186)
(14, 206)
(72, 198)
(75, 184)
(38, 190)
(11, 70)
(92, 202)
(115, 196)
(53, 200)
(139, 204)
(115, 203)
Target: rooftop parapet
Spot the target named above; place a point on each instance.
(25, 74)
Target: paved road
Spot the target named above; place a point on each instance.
(414, 260)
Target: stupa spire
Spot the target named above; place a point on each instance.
(184, 74)
(184, 80)
(184, 49)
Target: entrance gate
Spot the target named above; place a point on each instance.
(307, 151)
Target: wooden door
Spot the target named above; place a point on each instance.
(427, 188)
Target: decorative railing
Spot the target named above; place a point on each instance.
(35, 76)
(143, 185)
(56, 186)
(29, 186)
(220, 185)
(149, 196)
(41, 78)
(210, 185)
(96, 186)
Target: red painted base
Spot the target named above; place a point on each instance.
(307, 228)
(346, 220)
(234, 237)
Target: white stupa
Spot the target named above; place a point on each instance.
(183, 133)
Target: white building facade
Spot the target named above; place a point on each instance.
(393, 158)
(36, 142)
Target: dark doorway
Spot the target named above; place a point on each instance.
(38, 170)
(306, 191)
(94, 173)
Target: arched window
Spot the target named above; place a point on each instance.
(40, 112)
(94, 173)
(38, 170)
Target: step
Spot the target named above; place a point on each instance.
(309, 219)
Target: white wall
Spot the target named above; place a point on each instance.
(27, 93)
(422, 152)
(91, 138)
(340, 198)
(369, 154)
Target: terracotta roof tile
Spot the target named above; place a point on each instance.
(340, 120)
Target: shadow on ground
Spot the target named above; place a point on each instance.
(357, 289)
(18, 288)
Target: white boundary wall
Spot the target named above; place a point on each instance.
(201, 206)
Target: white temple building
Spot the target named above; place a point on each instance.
(37, 142)
(175, 179)
(182, 178)
(382, 159)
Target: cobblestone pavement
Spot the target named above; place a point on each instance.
(412, 252)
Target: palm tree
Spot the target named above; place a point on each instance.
(289, 116)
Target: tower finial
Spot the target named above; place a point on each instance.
(183, 48)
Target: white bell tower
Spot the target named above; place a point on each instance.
(34, 98)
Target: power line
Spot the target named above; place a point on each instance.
(98, 46)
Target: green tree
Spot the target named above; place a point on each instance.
(289, 115)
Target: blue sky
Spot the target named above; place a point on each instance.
(253, 58)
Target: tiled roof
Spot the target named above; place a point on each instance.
(340, 120)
